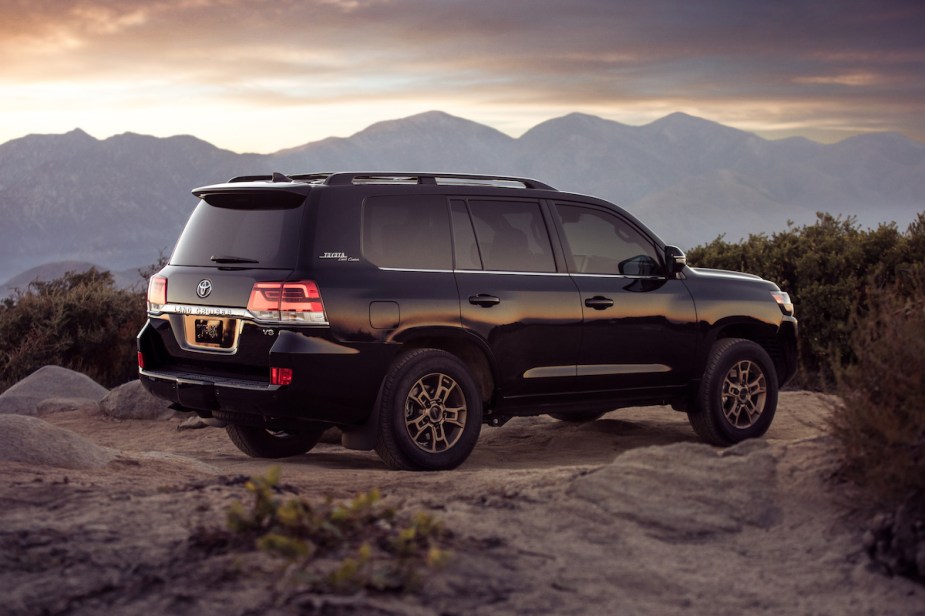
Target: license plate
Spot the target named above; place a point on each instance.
(209, 331)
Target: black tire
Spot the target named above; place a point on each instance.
(430, 412)
(579, 417)
(737, 398)
(263, 443)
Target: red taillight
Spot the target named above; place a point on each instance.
(287, 302)
(157, 291)
(264, 297)
(141, 360)
(280, 376)
(301, 297)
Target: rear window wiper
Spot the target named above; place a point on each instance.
(215, 259)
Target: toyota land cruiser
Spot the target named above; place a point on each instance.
(408, 309)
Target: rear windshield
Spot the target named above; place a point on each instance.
(250, 234)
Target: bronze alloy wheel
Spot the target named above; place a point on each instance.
(744, 394)
(737, 397)
(435, 412)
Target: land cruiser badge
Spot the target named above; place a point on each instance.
(337, 256)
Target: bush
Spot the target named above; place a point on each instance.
(881, 426)
(827, 268)
(80, 321)
(335, 547)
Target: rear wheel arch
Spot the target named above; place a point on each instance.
(476, 358)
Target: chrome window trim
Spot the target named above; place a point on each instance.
(456, 271)
(515, 273)
(583, 275)
(413, 269)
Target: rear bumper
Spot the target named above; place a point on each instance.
(211, 393)
(331, 382)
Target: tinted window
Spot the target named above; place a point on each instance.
(512, 236)
(410, 232)
(248, 229)
(467, 249)
(603, 243)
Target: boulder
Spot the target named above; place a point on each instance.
(63, 405)
(34, 441)
(132, 401)
(24, 397)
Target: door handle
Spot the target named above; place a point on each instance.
(599, 303)
(484, 300)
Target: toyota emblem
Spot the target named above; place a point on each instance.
(204, 288)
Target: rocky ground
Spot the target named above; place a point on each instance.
(628, 514)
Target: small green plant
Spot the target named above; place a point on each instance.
(339, 547)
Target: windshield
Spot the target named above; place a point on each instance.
(258, 236)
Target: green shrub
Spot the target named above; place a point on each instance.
(881, 425)
(80, 321)
(338, 547)
(827, 268)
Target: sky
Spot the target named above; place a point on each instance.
(256, 76)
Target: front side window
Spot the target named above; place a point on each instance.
(603, 243)
(411, 232)
(512, 236)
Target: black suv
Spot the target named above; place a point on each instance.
(408, 309)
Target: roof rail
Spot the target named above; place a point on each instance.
(390, 177)
(458, 179)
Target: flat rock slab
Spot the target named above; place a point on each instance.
(687, 491)
(24, 397)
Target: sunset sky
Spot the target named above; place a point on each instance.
(260, 76)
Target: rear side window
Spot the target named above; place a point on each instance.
(247, 231)
(512, 236)
(411, 232)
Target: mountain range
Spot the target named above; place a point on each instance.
(121, 201)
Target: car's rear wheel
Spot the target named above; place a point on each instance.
(430, 412)
(737, 398)
(259, 442)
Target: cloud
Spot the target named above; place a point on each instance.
(850, 56)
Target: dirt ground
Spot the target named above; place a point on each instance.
(628, 514)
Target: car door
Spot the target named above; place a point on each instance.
(639, 325)
(515, 294)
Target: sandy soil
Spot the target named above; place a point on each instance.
(628, 514)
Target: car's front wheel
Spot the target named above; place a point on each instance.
(430, 412)
(737, 398)
(260, 442)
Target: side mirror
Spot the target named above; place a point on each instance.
(676, 260)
